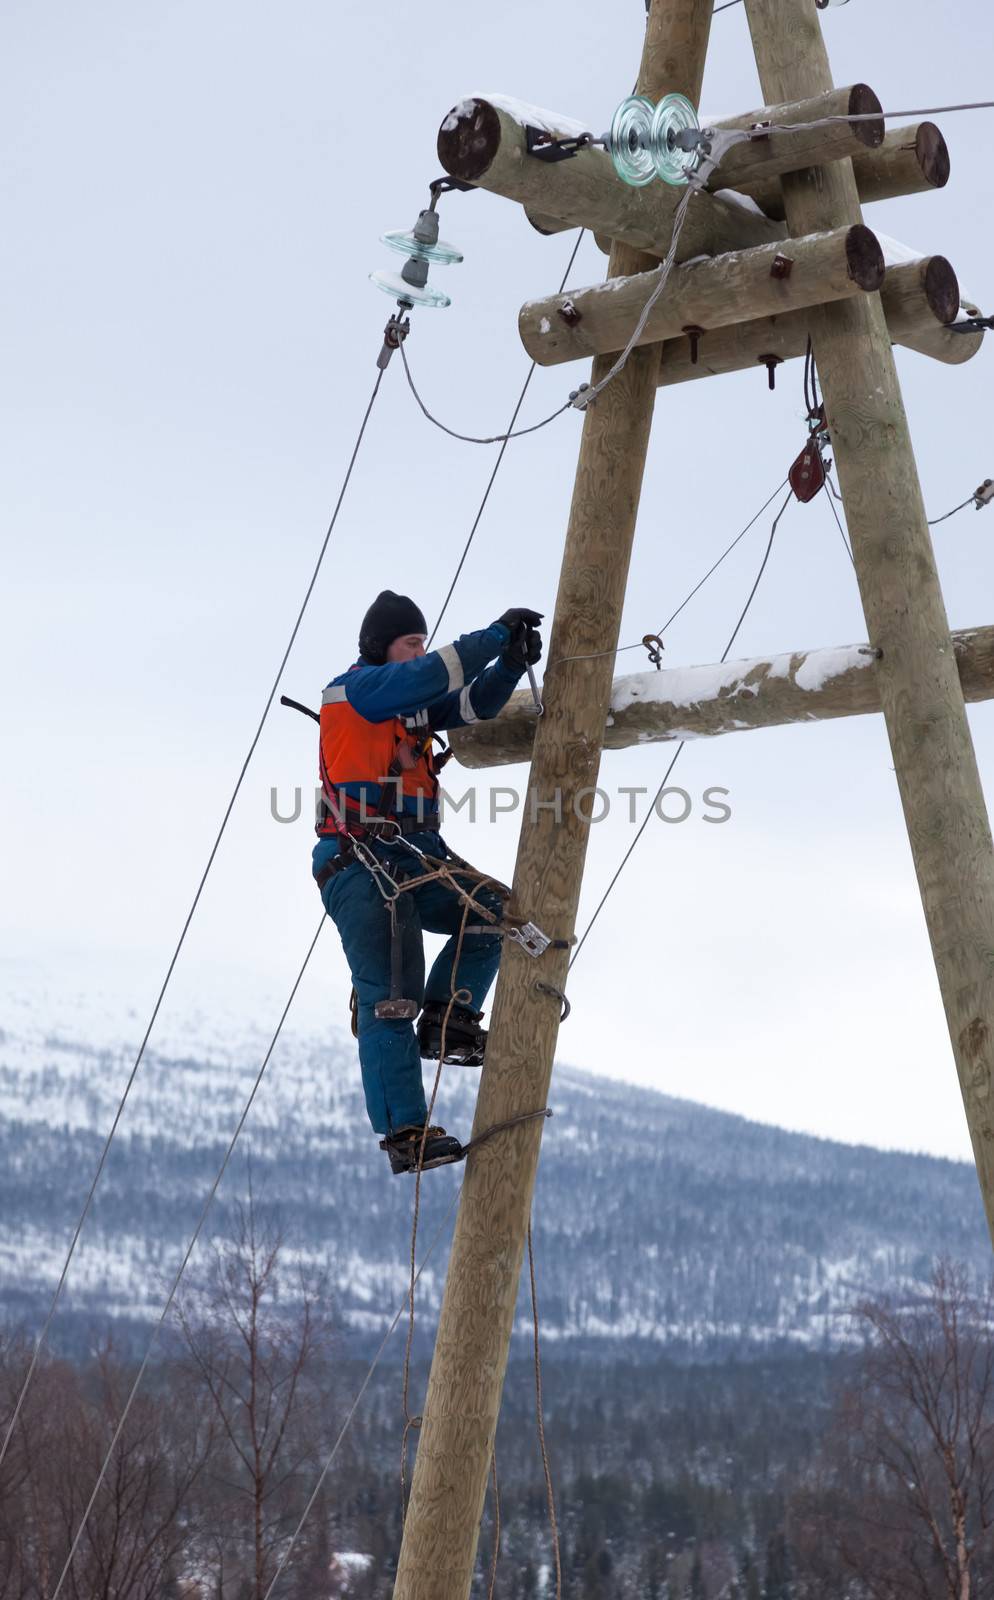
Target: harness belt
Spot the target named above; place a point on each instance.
(374, 827)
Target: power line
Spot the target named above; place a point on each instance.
(594, 655)
(500, 457)
(183, 1265)
(676, 754)
(586, 394)
(972, 501)
(248, 1105)
(469, 438)
(721, 558)
(189, 918)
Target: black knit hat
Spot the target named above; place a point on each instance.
(389, 616)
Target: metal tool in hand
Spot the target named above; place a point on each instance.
(533, 684)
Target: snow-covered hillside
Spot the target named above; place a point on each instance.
(656, 1219)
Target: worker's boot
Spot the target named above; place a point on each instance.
(465, 1040)
(404, 1145)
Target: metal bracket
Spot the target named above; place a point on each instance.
(531, 939)
(695, 334)
(545, 147)
(771, 362)
(448, 185)
(970, 325)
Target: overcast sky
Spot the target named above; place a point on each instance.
(192, 198)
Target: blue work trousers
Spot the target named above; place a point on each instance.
(388, 1048)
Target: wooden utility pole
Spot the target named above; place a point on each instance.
(460, 1416)
(920, 691)
(754, 309)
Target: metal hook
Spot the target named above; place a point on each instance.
(557, 994)
(654, 644)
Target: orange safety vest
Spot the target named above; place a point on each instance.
(354, 750)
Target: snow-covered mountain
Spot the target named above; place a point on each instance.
(656, 1219)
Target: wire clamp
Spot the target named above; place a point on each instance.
(970, 325)
(531, 939)
(394, 334)
(539, 142)
(984, 495)
(579, 398)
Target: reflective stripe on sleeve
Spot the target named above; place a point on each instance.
(466, 707)
(333, 695)
(453, 666)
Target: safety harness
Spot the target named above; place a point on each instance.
(349, 820)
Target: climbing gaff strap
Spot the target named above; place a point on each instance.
(499, 1127)
(397, 1007)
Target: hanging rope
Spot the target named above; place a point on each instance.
(183, 1266)
(456, 997)
(40, 1342)
(353, 1408)
(540, 1416)
(496, 1554)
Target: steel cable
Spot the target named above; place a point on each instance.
(39, 1344)
(500, 457)
(676, 754)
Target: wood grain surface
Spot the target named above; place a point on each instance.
(911, 160)
(920, 689)
(762, 692)
(766, 281)
(460, 1416)
(916, 298)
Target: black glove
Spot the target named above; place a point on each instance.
(523, 649)
(520, 614)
